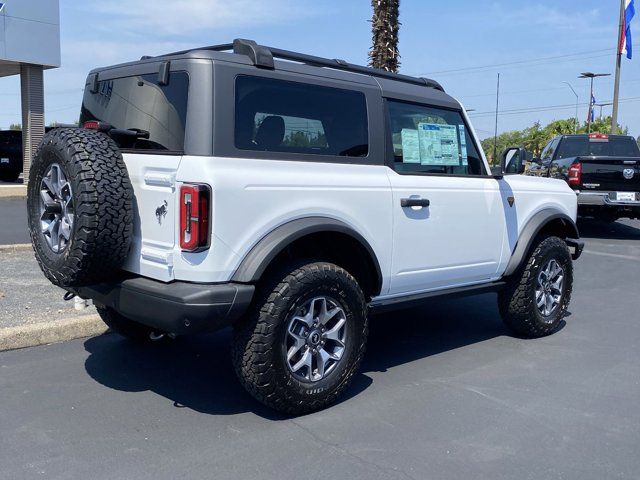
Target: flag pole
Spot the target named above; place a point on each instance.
(495, 135)
(616, 88)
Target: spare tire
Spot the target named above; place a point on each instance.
(80, 207)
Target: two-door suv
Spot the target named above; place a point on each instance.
(288, 196)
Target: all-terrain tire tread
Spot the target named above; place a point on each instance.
(103, 201)
(517, 304)
(254, 341)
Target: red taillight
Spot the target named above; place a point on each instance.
(96, 125)
(575, 174)
(598, 136)
(195, 205)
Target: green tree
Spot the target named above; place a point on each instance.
(15, 126)
(384, 27)
(603, 125)
(561, 127)
(514, 138)
(535, 138)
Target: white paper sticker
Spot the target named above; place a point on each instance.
(438, 144)
(410, 146)
(463, 145)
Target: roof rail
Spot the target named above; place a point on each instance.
(262, 57)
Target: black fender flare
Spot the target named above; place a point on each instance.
(532, 228)
(260, 256)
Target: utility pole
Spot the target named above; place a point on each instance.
(616, 88)
(591, 76)
(495, 135)
(575, 121)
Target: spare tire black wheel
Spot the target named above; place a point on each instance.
(80, 207)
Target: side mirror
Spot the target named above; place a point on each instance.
(513, 160)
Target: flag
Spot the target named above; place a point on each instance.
(591, 110)
(625, 35)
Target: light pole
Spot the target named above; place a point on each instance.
(602, 105)
(575, 122)
(591, 76)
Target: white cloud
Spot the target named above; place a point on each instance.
(185, 17)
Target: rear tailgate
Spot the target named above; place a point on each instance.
(611, 174)
(155, 207)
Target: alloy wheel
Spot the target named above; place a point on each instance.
(56, 208)
(315, 340)
(549, 288)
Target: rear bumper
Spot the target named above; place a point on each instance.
(604, 204)
(176, 307)
(604, 198)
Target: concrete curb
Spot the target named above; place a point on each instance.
(18, 247)
(36, 334)
(13, 191)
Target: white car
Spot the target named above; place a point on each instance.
(289, 196)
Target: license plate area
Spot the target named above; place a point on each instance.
(627, 197)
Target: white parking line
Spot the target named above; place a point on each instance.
(615, 255)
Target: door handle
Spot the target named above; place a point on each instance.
(414, 202)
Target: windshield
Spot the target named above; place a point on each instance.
(611, 147)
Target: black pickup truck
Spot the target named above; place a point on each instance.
(10, 155)
(604, 170)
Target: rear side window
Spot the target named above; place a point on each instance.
(431, 140)
(139, 103)
(291, 117)
(549, 150)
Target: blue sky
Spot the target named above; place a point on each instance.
(555, 41)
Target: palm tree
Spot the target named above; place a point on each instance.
(384, 26)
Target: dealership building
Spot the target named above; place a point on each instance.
(29, 44)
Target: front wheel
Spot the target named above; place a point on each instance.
(536, 299)
(303, 341)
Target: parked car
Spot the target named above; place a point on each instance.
(11, 161)
(10, 155)
(289, 196)
(604, 171)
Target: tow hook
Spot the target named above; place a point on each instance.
(69, 296)
(156, 337)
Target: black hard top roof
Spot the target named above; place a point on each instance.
(249, 52)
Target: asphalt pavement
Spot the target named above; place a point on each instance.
(445, 392)
(13, 219)
(26, 296)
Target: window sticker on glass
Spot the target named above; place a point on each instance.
(463, 144)
(438, 144)
(410, 146)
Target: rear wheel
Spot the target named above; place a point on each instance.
(302, 343)
(128, 328)
(536, 299)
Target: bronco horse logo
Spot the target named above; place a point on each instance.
(161, 212)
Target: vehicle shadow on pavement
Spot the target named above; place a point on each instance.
(614, 231)
(196, 372)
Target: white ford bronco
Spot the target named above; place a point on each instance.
(290, 197)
